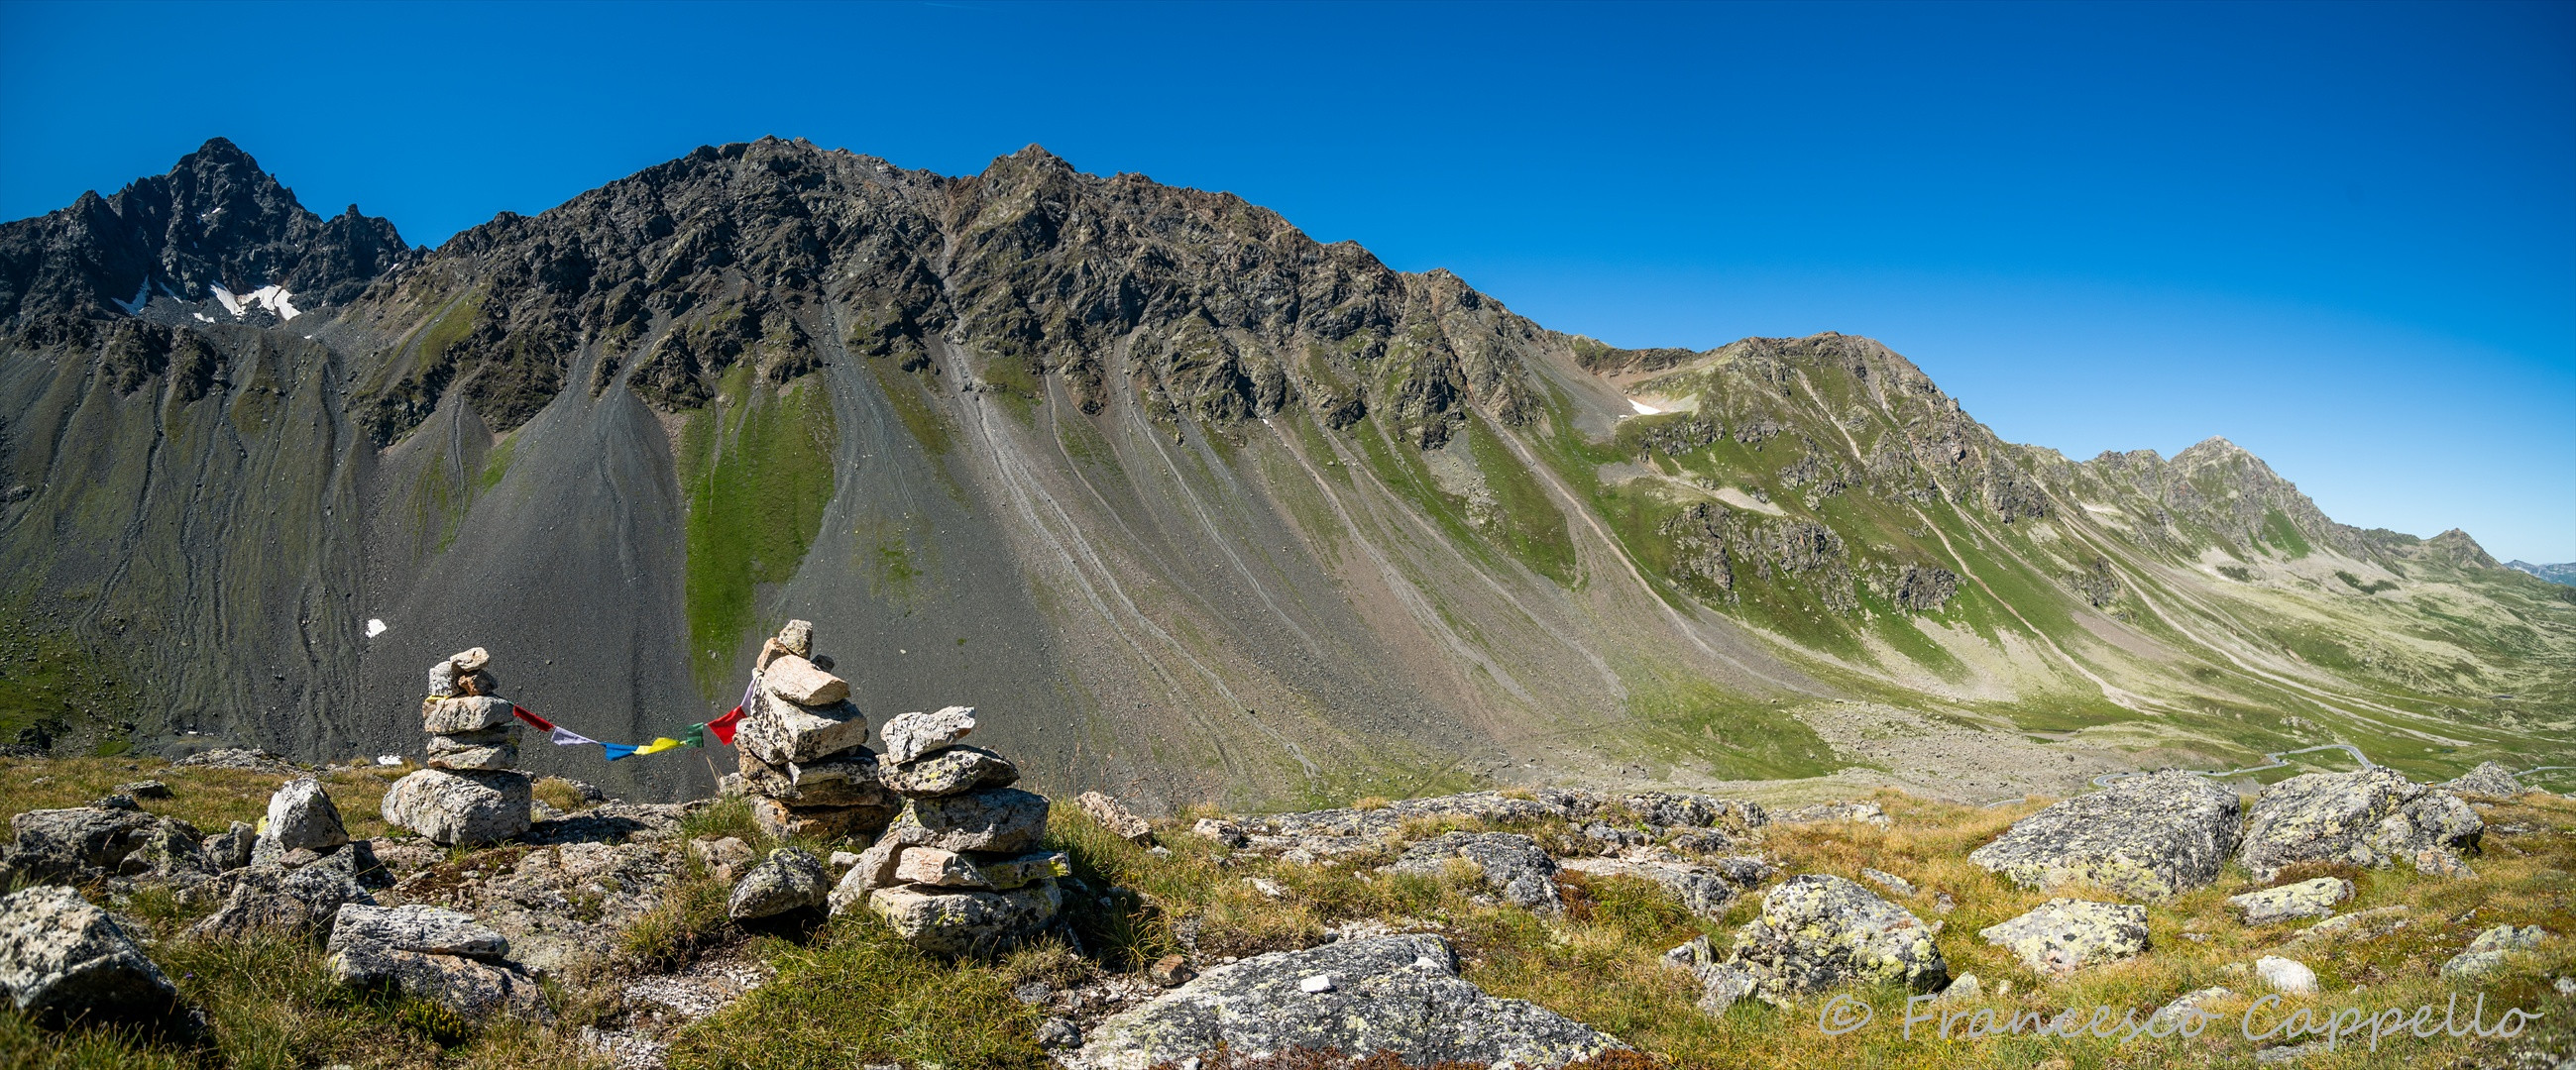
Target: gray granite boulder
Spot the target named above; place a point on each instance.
(89, 844)
(300, 815)
(2149, 837)
(782, 733)
(1396, 994)
(1514, 866)
(430, 953)
(959, 922)
(264, 900)
(2372, 818)
(994, 819)
(471, 713)
(2062, 936)
(461, 808)
(912, 735)
(2291, 902)
(1818, 932)
(950, 771)
(60, 955)
(790, 879)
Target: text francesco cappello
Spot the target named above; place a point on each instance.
(2263, 1020)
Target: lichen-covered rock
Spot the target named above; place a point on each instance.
(1819, 931)
(1868, 813)
(461, 808)
(229, 849)
(2372, 818)
(1722, 983)
(2148, 837)
(2486, 954)
(1397, 994)
(1005, 872)
(963, 922)
(87, 844)
(912, 735)
(784, 821)
(458, 758)
(60, 955)
(471, 713)
(2368, 924)
(999, 820)
(262, 900)
(1685, 810)
(782, 733)
(797, 680)
(2490, 780)
(1513, 865)
(2185, 1010)
(1220, 831)
(1115, 817)
(853, 777)
(300, 814)
(950, 771)
(2291, 902)
(1705, 890)
(874, 869)
(433, 954)
(2062, 936)
(790, 879)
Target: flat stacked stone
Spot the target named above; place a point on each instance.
(802, 747)
(470, 794)
(962, 868)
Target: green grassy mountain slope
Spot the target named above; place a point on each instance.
(1190, 505)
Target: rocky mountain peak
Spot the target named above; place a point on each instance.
(216, 233)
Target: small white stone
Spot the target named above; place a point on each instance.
(2287, 975)
(1319, 983)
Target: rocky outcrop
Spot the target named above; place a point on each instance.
(61, 956)
(1704, 889)
(2486, 954)
(1395, 994)
(91, 844)
(2291, 902)
(790, 879)
(1510, 865)
(302, 817)
(2149, 837)
(2490, 780)
(2062, 936)
(1816, 932)
(433, 954)
(461, 808)
(2372, 818)
(1115, 817)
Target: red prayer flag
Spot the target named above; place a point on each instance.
(521, 712)
(725, 725)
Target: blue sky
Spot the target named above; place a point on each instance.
(2342, 236)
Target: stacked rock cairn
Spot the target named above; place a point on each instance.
(802, 747)
(469, 795)
(960, 870)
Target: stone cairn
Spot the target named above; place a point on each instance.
(802, 747)
(469, 795)
(960, 869)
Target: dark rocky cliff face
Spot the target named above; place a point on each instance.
(1190, 503)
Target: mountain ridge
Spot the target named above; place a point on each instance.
(1124, 459)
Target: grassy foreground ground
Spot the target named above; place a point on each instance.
(848, 994)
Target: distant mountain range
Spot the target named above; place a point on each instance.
(2559, 573)
(1189, 504)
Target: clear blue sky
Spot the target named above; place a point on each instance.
(2342, 236)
